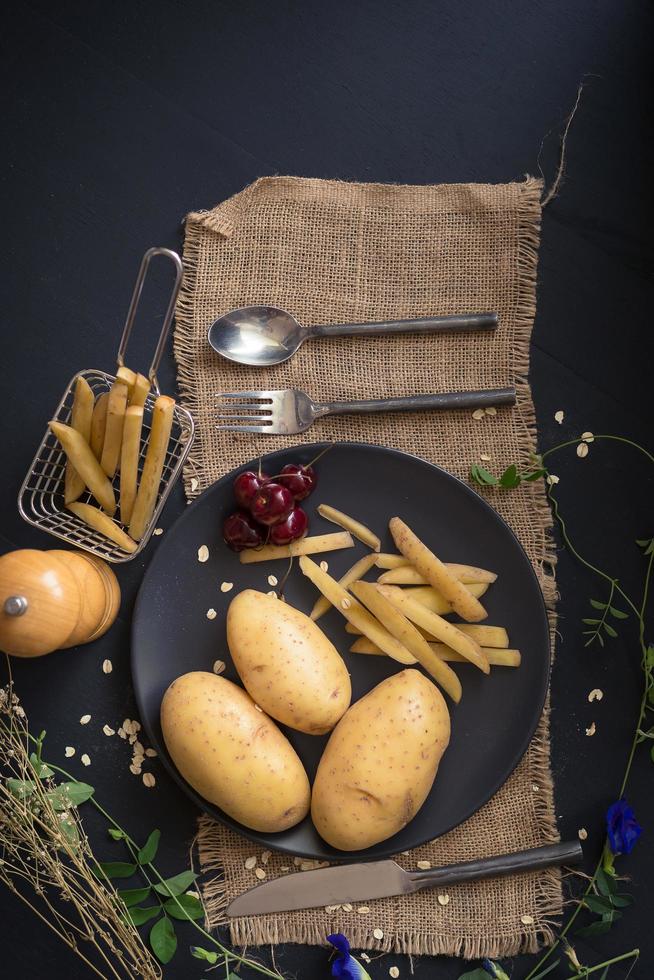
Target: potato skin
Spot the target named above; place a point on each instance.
(380, 762)
(233, 754)
(286, 663)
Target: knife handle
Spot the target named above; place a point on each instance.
(566, 852)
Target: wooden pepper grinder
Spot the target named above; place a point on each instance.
(50, 600)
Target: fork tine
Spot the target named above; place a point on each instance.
(245, 394)
(245, 428)
(237, 407)
(234, 417)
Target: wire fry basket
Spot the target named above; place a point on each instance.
(41, 496)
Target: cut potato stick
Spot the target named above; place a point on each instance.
(399, 626)
(140, 391)
(357, 571)
(155, 457)
(313, 545)
(486, 636)
(129, 460)
(80, 419)
(408, 575)
(99, 521)
(496, 658)
(359, 530)
(385, 560)
(79, 453)
(435, 572)
(113, 430)
(354, 612)
(98, 423)
(436, 625)
(128, 377)
(432, 598)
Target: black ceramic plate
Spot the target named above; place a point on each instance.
(497, 716)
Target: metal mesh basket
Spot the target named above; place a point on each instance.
(41, 496)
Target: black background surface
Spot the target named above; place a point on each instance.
(120, 118)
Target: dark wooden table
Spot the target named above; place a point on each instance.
(120, 118)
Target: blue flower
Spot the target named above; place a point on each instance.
(622, 827)
(345, 965)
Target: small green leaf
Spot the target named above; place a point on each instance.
(149, 849)
(21, 788)
(618, 613)
(534, 475)
(139, 916)
(651, 753)
(116, 834)
(598, 903)
(114, 869)
(176, 885)
(590, 622)
(482, 476)
(70, 794)
(132, 896)
(191, 907)
(609, 629)
(605, 884)
(621, 901)
(601, 639)
(594, 929)
(596, 604)
(40, 768)
(163, 940)
(510, 477)
(204, 954)
(650, 655)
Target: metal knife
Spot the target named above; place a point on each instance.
(381, 879)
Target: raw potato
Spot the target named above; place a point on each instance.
(385, 560)
(232, 754)
(129, 460)
(354, 612)
(128, 377)
(140, 391)
(98, 423)
(486, 636)
(79, 453)
(113, 430)
(435, 572)
(314, 545)
(80, 419)
(359, 530)
(436, 625)
(155, 457)
(495, 657)
(408, 575)
(433, 599)
(380, 762)
(357, 571)
(404, 631)
(99, 521)
(286, 663)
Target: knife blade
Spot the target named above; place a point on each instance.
(382, 879)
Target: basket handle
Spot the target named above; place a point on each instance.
(133, 306)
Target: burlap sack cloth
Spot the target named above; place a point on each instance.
(336, 252)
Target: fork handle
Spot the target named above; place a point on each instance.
(417, 403)
(424, 324)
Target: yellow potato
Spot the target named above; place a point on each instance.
(113, 430)
(486, 636)
(128, 377)
(155, 457)
(286, 663)
(80, 419)
(358, 529)
(140, 391)
(313, 545)
(98, 423)
(357, 571)
(79, 453)
(99, 521)
(380, 762)
(408, 575)
(435, 572)
(129, 460)
(233, 754)
(495, 657)
(404, 631)
(434, 600)
(385, 560)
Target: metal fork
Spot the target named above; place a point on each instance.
(289, 411)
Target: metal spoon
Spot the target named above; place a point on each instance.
(264, 335)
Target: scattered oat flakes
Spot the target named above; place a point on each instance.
(226, 586)
(478, 414)
(346, 603)
(393, 971)
(552, 479)
(69, 751)
(331, 908)
(324, 567)
(307, 866)
(85, 719)
(157, 531)
(195, 483)
(151, 753)
(485, 457)
(443, 899)
(582, 450)
(272, 580)
(265, 857)
(378, 933)
(138, 748)
(284, 867)
(588, 437)
(108, 730)
(362, 909)
(251, 862)
(148, 780)
(211, 613)
(491, 411)
(107, 666)
(423, 865)
(203, 553)
(259, 873)
(218, 666)
(596, 694)
(272, 594)
(122, 733)
(527, 920)
(406, 852)
(86, 760)
(582, 833)
(559, 416)
(535, 787)
(131, 739)
(134, 769)
(347, 907)
(592, 729)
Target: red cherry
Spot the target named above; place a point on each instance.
(300, 480)
(240, 531)
(247, 485)
(272, 504)
(294, 527)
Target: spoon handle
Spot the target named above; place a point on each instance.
(423, 324)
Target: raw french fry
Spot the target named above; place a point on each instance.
(98, 423)
(129, 460)
(81, 415)
(487, 636)
(436, 625)
(399, 626)
(384, 560)
(113, 430)
(79, 453)
(155, 457)
(357, 571)
(140, 390)
(496, 658)
(99, 521)
(313, 545)
(128, 377)
(435, 572)
(359, 530)
(354, 612)
(433, 599)
(408, 575)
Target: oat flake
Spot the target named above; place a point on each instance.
(588, 437)
(591, 730)
(582, 450)
(259, 873)
(135, 770)
(582, 833)
(596, 694)
(347, 907)
(226, 586)
(272, 580)
(272, 594)
(265, 857)
(365, 957)
(559, 416)
(423, 865)
(122, 733)
(362, 909)
(250, 862)
(85, 719)
(284, 867)
(527, 920)
(69, 751)
(195, 483)
(443, 899)
(485, 457)
(203, 553)
(157, 531)
(148, 780)
(378, 933)
(218, 666)
(211, 613)
(151, 753)
(345, 603)
(108, 730)
(107, 666)
(86, 760)
(393, 972)
(478, 414)
(491, 411)
(324, 567)
(552, 479)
